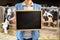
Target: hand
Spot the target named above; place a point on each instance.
(43, 21)
(13, 20)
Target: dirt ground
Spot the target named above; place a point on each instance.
(48, 34)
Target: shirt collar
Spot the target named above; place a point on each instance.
(25, 4)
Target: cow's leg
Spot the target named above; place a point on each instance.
(5, 30)
(5, 25)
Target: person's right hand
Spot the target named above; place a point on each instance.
(13, 20)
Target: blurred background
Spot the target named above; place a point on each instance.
(42, 2)
(50, 19)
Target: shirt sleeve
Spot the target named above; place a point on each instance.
(39, 7)
(16, 6)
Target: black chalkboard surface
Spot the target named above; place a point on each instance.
(28, 19)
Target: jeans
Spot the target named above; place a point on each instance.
(27, 39)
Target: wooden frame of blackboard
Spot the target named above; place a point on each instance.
(25, 11)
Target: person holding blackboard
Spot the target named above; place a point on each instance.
(27, 35)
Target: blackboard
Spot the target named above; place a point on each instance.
(28, 19)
